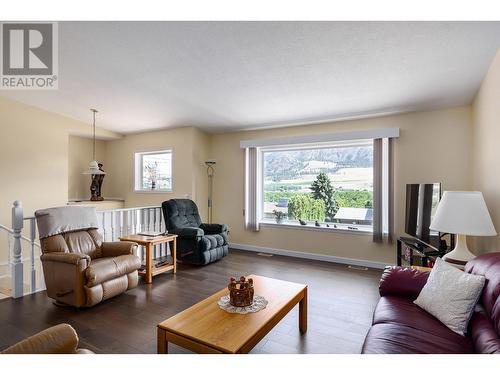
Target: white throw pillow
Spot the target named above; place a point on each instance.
(451, 295)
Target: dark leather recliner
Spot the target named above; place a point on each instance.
(400, 326)
(198, 243)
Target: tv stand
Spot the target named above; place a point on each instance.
(412, 252)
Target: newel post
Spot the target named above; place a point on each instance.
(17, 263)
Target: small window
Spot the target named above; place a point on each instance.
(153, 171)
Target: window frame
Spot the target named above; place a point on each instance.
(139, 166)
(341, 227)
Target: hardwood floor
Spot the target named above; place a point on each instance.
(341, 303)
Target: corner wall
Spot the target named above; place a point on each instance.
(486, 151)
(190, 148)
(34, 158)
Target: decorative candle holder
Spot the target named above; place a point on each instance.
(240, 292)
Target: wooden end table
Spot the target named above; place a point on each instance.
(205, 328)
(148, 242)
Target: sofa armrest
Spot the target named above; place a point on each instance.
(214, 228)
(59, 339)
(191, 232)
(70, 258)
(114, 249)
(402, 281)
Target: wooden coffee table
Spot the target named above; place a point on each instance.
(205, 328)
(148, 242)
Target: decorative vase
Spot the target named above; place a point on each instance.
(279, 220)
(153, 185)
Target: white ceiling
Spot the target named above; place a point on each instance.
(223, 76)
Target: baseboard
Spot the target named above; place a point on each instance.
(311, 256)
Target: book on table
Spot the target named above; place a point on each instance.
(152, 233)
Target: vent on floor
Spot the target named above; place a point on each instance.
(358, 268)
(264, 254)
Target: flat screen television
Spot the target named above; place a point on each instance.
(421, 204)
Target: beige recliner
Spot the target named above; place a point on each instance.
(79, 268)
(59, 339)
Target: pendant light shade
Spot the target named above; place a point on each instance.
(93, 168)
(93, 165)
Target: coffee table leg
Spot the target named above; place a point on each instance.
(303, 313)
(162, 345)
(149, 264)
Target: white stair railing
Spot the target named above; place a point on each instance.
(15, 260)
(114, 223)
(120, 222)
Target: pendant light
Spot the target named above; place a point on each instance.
(93, 165)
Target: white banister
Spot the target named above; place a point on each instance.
(17, 264)
(32, 255)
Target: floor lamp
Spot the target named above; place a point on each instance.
(210, 173)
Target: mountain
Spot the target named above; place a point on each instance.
(286, 165)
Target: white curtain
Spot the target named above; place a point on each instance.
(252, 177)
(383, 190)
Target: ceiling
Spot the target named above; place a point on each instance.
(225, 76)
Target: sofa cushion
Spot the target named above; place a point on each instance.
(394, 338)
(81, 242)
(180, 213)
(403, 311)
(213, 241)
(488, 265)
(103, 269)
(484, 337)
(402, 281)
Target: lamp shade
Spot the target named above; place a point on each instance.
(93, 168)
(463, 212)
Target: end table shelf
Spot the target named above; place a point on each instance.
(416, 253)
(148, 242)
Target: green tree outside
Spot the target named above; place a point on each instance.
(306, 208)
(322, 189)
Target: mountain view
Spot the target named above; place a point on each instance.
(289, 165)
(289, 174)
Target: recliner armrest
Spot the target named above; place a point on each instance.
(214, 228)
(114, 249)
(70, 258)
(60, 339)
(188, 232)
(402, 281)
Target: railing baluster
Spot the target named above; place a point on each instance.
(113, 223)
(17, 264)
(121, 223)
(104, 226)
(32, 240)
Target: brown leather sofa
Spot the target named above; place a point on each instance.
(59, 339)
(79, 268)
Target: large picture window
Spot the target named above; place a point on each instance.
(153, 171)
(329, 186)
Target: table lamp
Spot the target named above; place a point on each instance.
(462, 213)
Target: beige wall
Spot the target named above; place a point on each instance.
(190, 148)
(79, 156)
(34, 158)
(34, 161)
(433, 147)
(486, 151)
